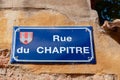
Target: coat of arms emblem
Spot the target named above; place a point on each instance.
(26, 37)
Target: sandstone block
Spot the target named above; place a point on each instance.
(74, 9)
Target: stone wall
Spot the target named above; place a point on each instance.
(55, 13)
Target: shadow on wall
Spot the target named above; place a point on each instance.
(109, 16)
(107, 9)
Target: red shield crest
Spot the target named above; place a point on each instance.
(26, 37)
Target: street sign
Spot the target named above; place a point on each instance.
(66, 44)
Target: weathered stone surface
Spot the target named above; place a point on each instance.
(18, 74)
(6, 4)
(4, 57)
(112, 29)
(74, 9)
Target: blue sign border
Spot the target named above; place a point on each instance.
(87, 28)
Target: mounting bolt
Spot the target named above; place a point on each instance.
(16, 57)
